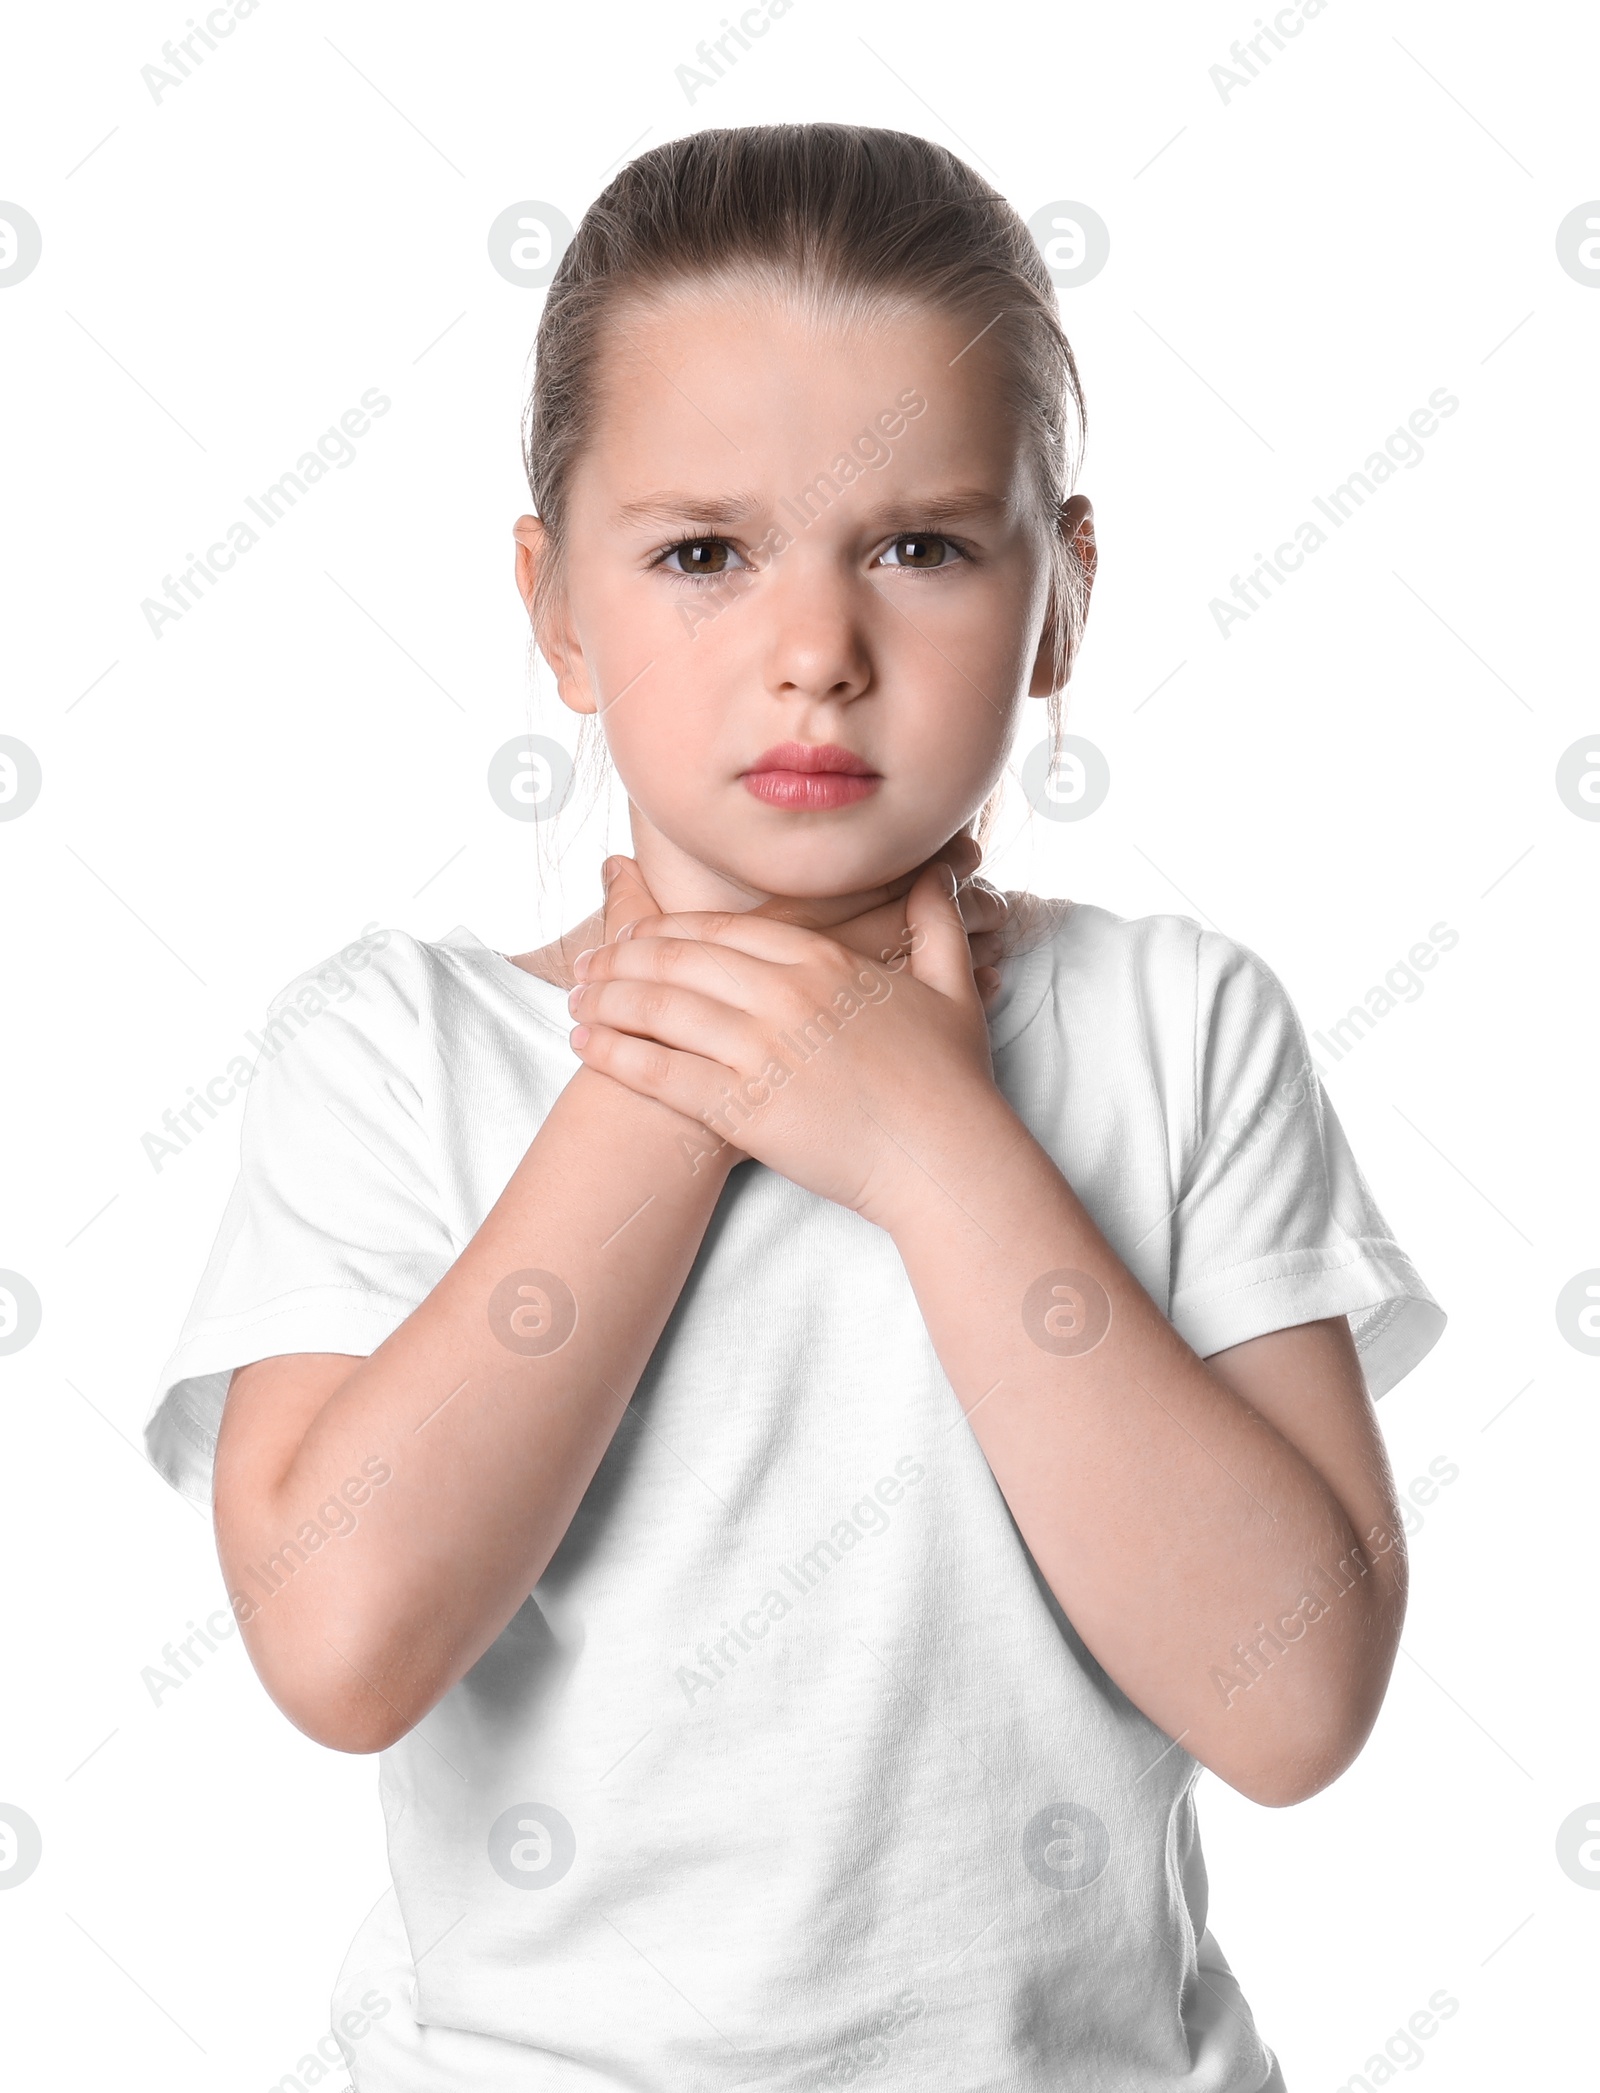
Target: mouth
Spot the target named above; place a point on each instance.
(801, 776)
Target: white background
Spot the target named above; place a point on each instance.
(1291, 273)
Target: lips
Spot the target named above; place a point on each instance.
(802, 776)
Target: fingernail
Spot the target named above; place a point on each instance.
(580, 966)
(579, 1035)
(625, 932)
(608, 872)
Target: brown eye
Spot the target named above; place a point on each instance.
(701, 556)
(913, 550)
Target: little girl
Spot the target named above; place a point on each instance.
(799, 1417)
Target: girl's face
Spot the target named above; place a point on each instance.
(783, 536)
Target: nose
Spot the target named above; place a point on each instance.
(815, 617)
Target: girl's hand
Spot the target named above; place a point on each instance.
(821, 1062)
(880, 930)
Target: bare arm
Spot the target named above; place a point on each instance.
(488, 1449)
(447, 1467)
(1222, 1532)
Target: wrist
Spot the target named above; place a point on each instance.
(680, 1147)
(951, 1167)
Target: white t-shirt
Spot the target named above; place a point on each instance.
(791, 1768)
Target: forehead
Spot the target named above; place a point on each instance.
(748, 383)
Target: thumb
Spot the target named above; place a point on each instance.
(941, 958)
(628, 899)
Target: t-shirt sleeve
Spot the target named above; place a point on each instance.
(1275, 1224)
(332, 1233)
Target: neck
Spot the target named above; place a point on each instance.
(680, 882)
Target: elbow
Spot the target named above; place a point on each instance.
(337, 1728)
(333, 1700)
(1281, 1786)
(1299, 1763)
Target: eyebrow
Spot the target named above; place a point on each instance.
(672, 505)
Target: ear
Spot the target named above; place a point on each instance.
(555, 639)
(1075, 521)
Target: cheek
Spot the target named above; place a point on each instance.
(973, 646)
(666, 737)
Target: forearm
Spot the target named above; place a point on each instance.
(1180, 1532)
(490, 1419)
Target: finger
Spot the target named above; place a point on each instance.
(961, 853)
(939, 955)
(671, 1015)
(762, 937)
(986, 948)
(729, 977)
(982, 906)
(987, 981)
(690, 1085)
(628, 899)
